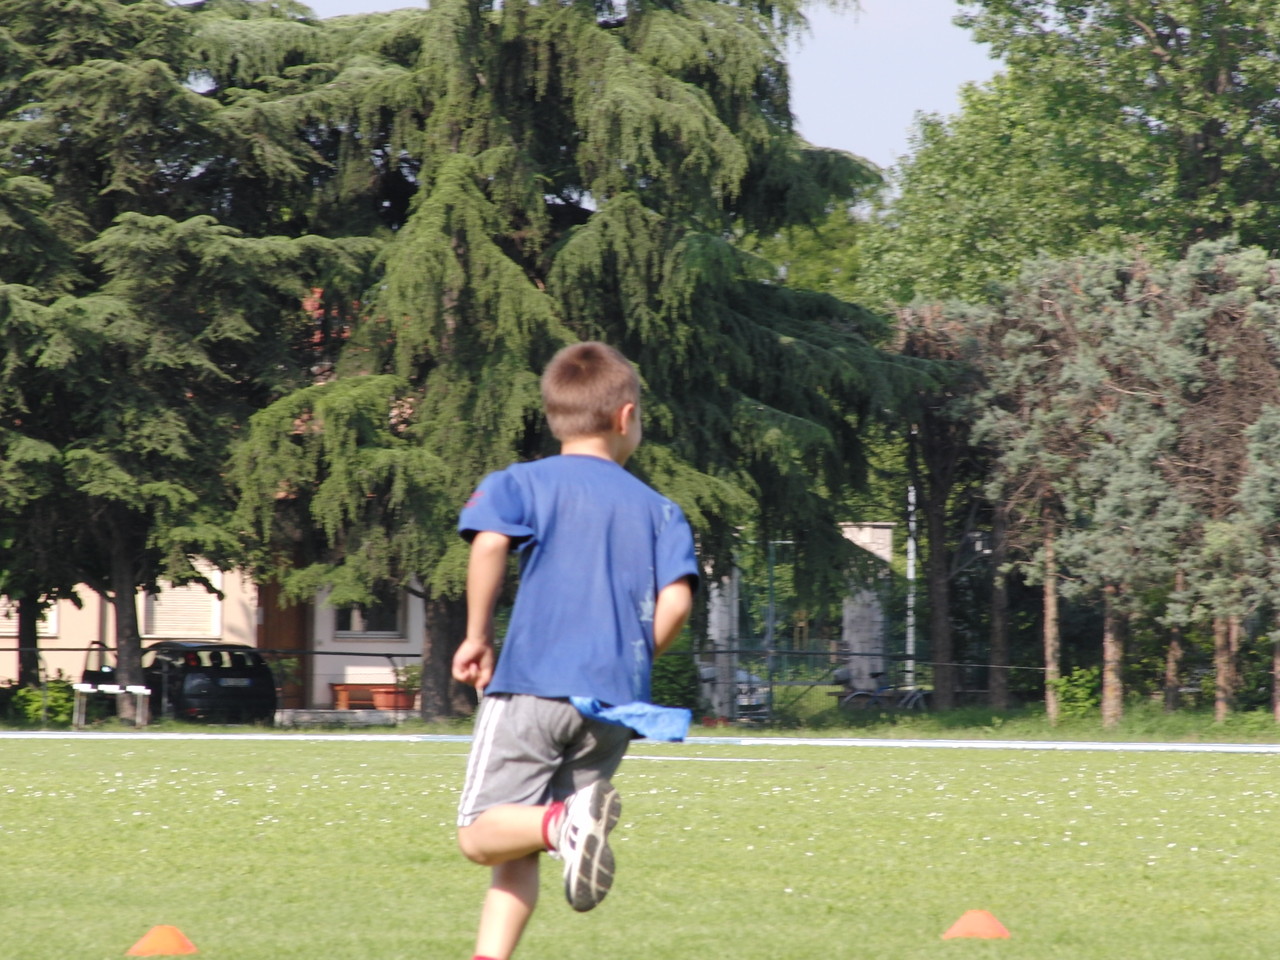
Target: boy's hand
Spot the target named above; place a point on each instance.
(473, 663)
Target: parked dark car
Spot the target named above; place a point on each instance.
(752, 693)
(203, 680)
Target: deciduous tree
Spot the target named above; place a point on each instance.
(1111, 120)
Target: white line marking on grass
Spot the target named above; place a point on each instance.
(644, 756)
(200, 735)
(1061, 745)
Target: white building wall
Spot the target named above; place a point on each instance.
(724, 634)
(346, 657)
(863, 627)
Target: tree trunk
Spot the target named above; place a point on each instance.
(30, 610)
(1223, 683)
(1173, 671)
(938, 450)
(1173, 656)
(1052, 636)
(1235, 636)
(442, 696)
(1112, 658)
(128, 636)
(938, 572)
(998, 682)
(1275, 676)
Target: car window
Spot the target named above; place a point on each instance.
(203, 659)
(229, 659)
(158, 658)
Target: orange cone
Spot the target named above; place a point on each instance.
(978, 924)
(162, 942)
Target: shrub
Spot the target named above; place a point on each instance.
(51, 703)
(1079, 692)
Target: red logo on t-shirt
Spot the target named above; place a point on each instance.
(474, 499)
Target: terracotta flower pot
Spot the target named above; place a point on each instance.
(392, 698)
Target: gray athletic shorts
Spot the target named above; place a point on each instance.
(533, 750)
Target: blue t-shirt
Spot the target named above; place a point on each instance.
(595, 545)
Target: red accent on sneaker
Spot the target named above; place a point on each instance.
(551, 825)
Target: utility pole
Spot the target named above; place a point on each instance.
(910, 666)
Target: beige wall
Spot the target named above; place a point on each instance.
(334, 662)
(233, 619)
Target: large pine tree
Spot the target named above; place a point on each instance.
(572, 171)
(140, 329)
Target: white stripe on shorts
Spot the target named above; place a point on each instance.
(481, 746)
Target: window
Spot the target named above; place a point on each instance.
(9, 620)
(382, 617)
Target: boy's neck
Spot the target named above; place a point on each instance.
(603, 446)
(616, 444)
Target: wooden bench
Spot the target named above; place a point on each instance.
(354, 696)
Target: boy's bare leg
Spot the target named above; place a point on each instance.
(503, 833)
(513, 893)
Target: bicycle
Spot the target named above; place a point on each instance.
(886, 695)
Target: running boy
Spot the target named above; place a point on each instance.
(607, 573)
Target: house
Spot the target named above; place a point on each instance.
(313, 646)
(189, 612)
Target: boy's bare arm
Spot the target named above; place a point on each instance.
(486, 569)
(674, 603)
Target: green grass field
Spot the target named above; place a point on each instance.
(291, 848)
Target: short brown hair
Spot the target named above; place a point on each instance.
(583, 386)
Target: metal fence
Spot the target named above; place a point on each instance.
(742, 684)
(751, 685)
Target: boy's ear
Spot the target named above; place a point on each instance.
(622, 416)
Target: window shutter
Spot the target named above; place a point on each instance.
(9, 620)
(189, 612)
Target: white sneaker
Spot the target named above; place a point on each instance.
(589, 815)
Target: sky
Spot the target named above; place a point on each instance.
(858, 78)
